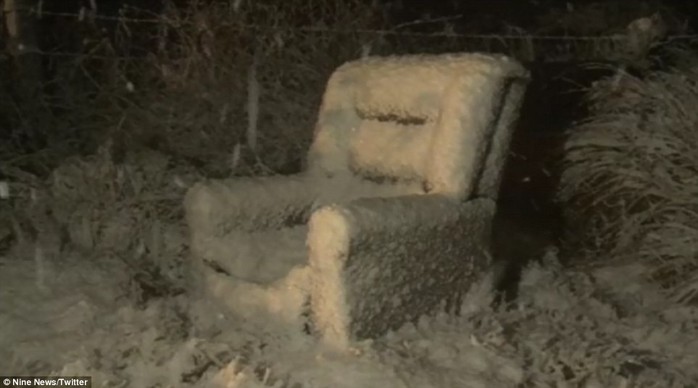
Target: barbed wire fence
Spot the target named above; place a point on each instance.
(524, 46)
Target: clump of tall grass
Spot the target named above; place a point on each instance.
(631, 175)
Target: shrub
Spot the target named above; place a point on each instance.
(631, 175)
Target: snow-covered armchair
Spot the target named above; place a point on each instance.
(390, 220)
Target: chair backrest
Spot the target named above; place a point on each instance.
(444, 121)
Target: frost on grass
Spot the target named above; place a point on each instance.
(569, 329)
(608, 328)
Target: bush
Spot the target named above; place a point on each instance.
(631, 176)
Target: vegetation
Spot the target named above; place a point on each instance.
(220, 88)
(631, 175)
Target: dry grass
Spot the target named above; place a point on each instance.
(632, 175)
(208, 78)
(235, 74)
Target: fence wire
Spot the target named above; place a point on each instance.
(560, 45)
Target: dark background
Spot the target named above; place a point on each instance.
(477, 15)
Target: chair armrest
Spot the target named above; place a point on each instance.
(427, 215)
(218, 207)
(382, 262)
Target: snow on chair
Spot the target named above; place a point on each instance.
(390, 220)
